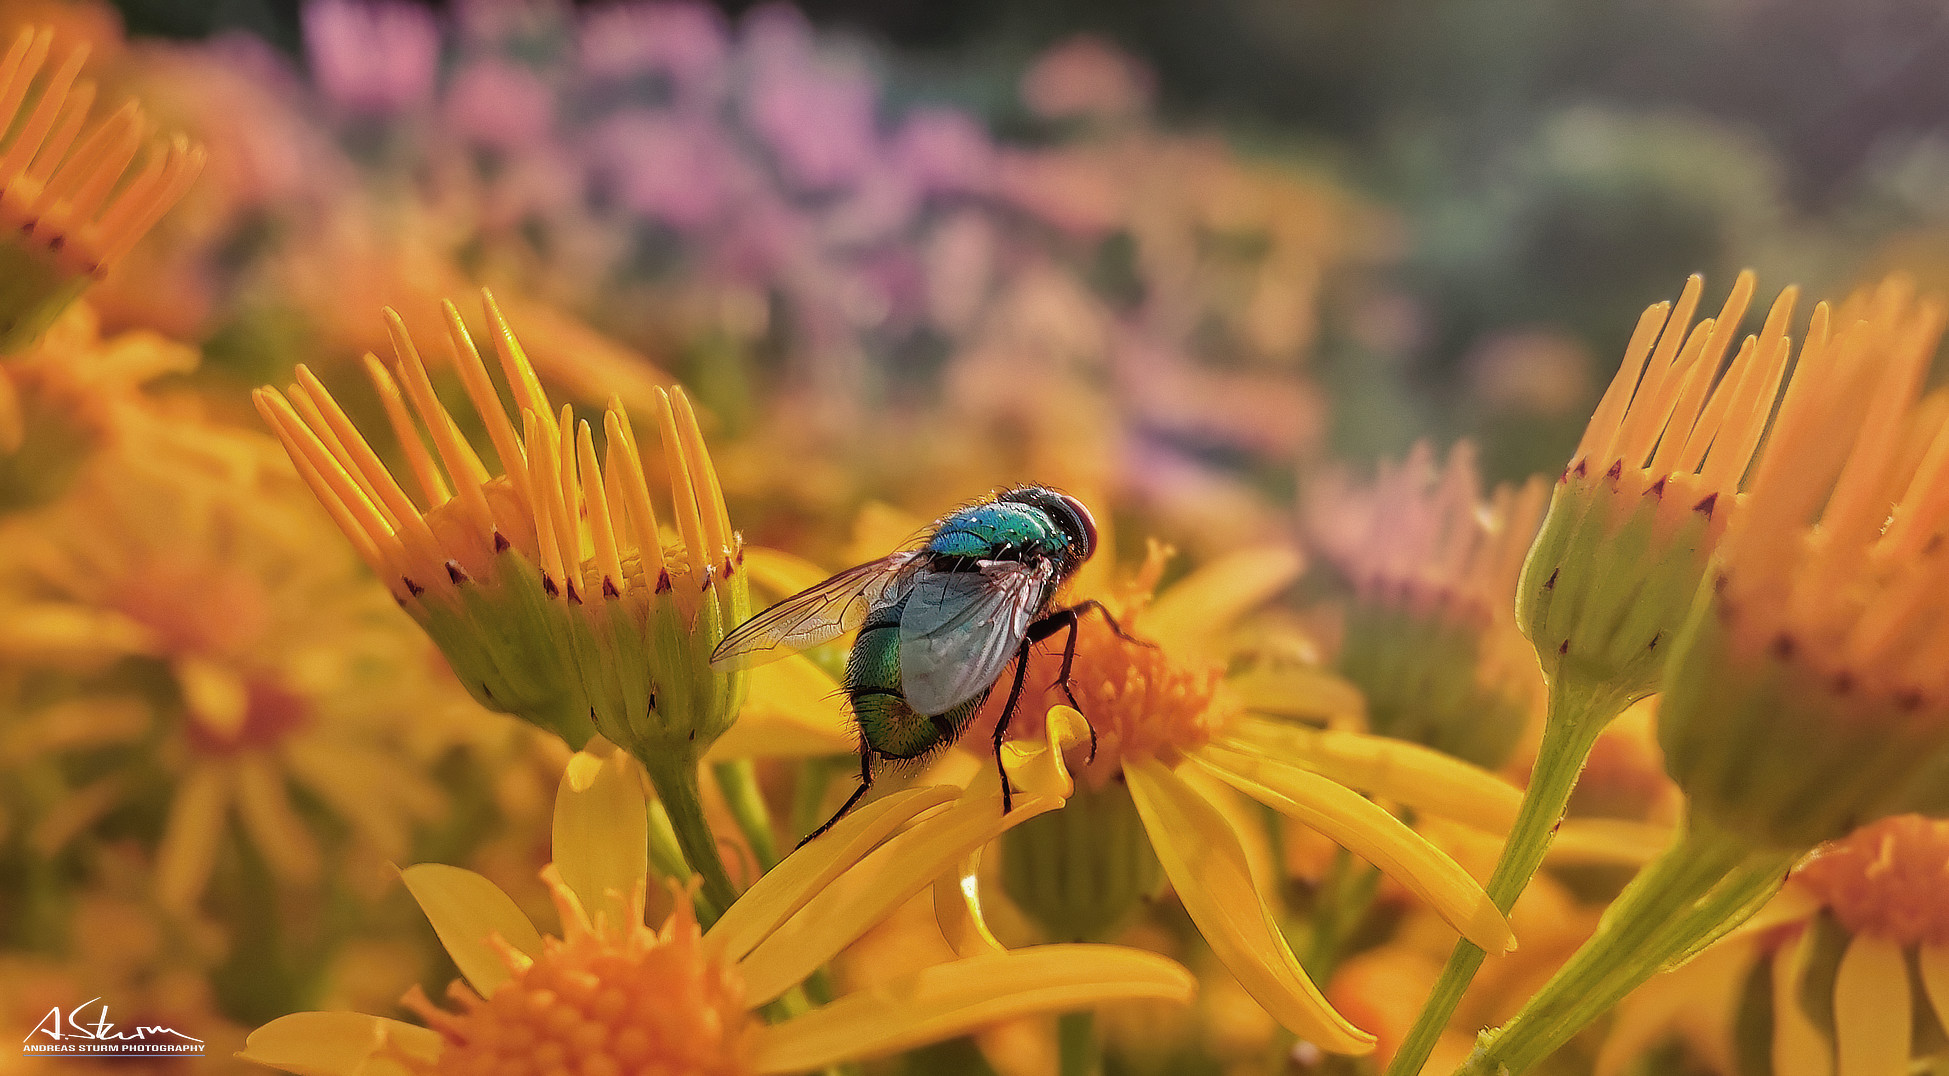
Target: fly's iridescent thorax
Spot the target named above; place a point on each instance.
(1027, 525)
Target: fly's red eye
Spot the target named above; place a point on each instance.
(1082, 516)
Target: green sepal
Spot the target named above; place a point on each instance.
(1080, 872)
(34, 289)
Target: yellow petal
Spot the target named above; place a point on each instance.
(214, 694)
(1871, 1010)
(58, 633)
(1395, 770)
(274, 826)
(466, 910)
(957, 909)
(792, 709)
(337, 1044)
(886, 878)
(1933, 960)
(1642, 1019)
(786, 888)
(964, 995)
(1198, 608)
(1202, 857)
(780, 574)
(1304, 692)
(602, 835)
(1792, 904)
(195, 828)
(1366, 829)
(1799, 1048)
(1608, 841)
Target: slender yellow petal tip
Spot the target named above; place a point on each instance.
(467, 912)
(335, 1043)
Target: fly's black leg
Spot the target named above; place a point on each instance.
(1067, 620)
(865, 782)
(1008, 713)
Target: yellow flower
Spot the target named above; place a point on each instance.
(71, 392)
(1632, 527)
(1175, 744)
(550, 586)
(194, 549)
(1431, 639)
(612, 995)
(1859, 922)
(1810, 691)
(69, 201)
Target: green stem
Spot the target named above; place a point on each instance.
(1575, 719)
(1705, 878)
(667, 858)
(809, 795)
(1345, 895)
(738, 780)
(1076, 1040)
(676, 789)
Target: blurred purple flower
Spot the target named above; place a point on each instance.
(686, 42)
(372, 57)
(495, 103)
(815, 112)
(945, 151)
(677, 170)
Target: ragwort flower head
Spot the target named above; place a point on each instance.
(1642, 505)
(1174, 744)
(551, 587)
(1810, 691)
(1430, 636)
(193, 552)
(72, 203)
(1841, 950)
(613, 995)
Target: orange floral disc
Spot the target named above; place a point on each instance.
(1885, 880)
(606, 1001)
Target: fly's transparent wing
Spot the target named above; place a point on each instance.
(958, 630)
(816, 614)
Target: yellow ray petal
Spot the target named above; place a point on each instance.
(1303, 692)
(962, 995)
(1871, 1010)
(1792, 904)
(1394, 770)
(279, 834)
(1933, 961)
(466, 910)
(1618, 841)
(907, 863)
(337, 1044)
(792, 709)
(1190, 615)
(602, 835)
(1799, 1048)
(1366, 829)
(786, 888)
(780, 574)
(197, 821)
(957, 909)
(1202, 857)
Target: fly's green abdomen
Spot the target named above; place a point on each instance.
(888, 725)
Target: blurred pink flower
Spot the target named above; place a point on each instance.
(685, 41)
(1074, 190)
(815, 112)
(677, 170)
(372, 57)
(944, 150)
(1086, 76)
(495, 103)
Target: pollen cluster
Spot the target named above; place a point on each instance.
(607, 1000)
(1886, 880)
(1141, 700)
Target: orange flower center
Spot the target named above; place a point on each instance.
(1886, 879)
(605, 1001)
(1142, 702)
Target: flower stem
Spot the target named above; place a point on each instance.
(739, 783)
(1577, 715)
(676, 789)
(1704, 879)
(1076, 1039)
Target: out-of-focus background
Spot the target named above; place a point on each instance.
(1546, 168)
